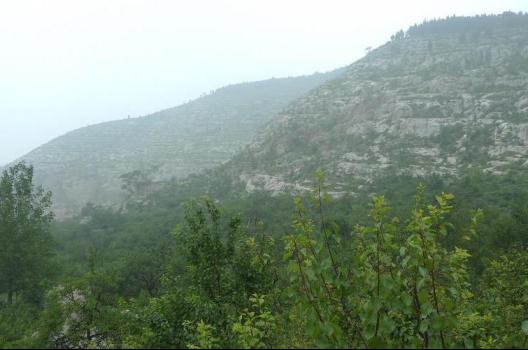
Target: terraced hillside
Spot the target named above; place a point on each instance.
(85, 165)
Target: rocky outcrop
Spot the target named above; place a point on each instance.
(429, 103)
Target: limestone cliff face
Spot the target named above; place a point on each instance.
(430, 102)
(85, 165)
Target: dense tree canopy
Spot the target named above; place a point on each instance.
(469, 25)
(26, 245)
(424, 272)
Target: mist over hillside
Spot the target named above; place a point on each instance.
(86, 165)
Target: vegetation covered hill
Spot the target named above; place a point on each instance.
(86, 165)
(444, 96)
(430, 251)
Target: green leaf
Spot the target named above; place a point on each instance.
(525, 327)
(407, 300)
(369, 331)
(423, 296)
(438, 323)
(388, 324)
(405, 261)
(403, 250)
(424, 326)
(423, 271)
(311, 274)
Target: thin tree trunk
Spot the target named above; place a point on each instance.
(10, 298)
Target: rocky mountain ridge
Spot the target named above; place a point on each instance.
(439, 99)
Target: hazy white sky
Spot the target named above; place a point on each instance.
(69, 63)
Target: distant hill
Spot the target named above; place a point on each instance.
(85, 165)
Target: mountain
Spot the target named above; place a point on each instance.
(86, 165)
(445, 96)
